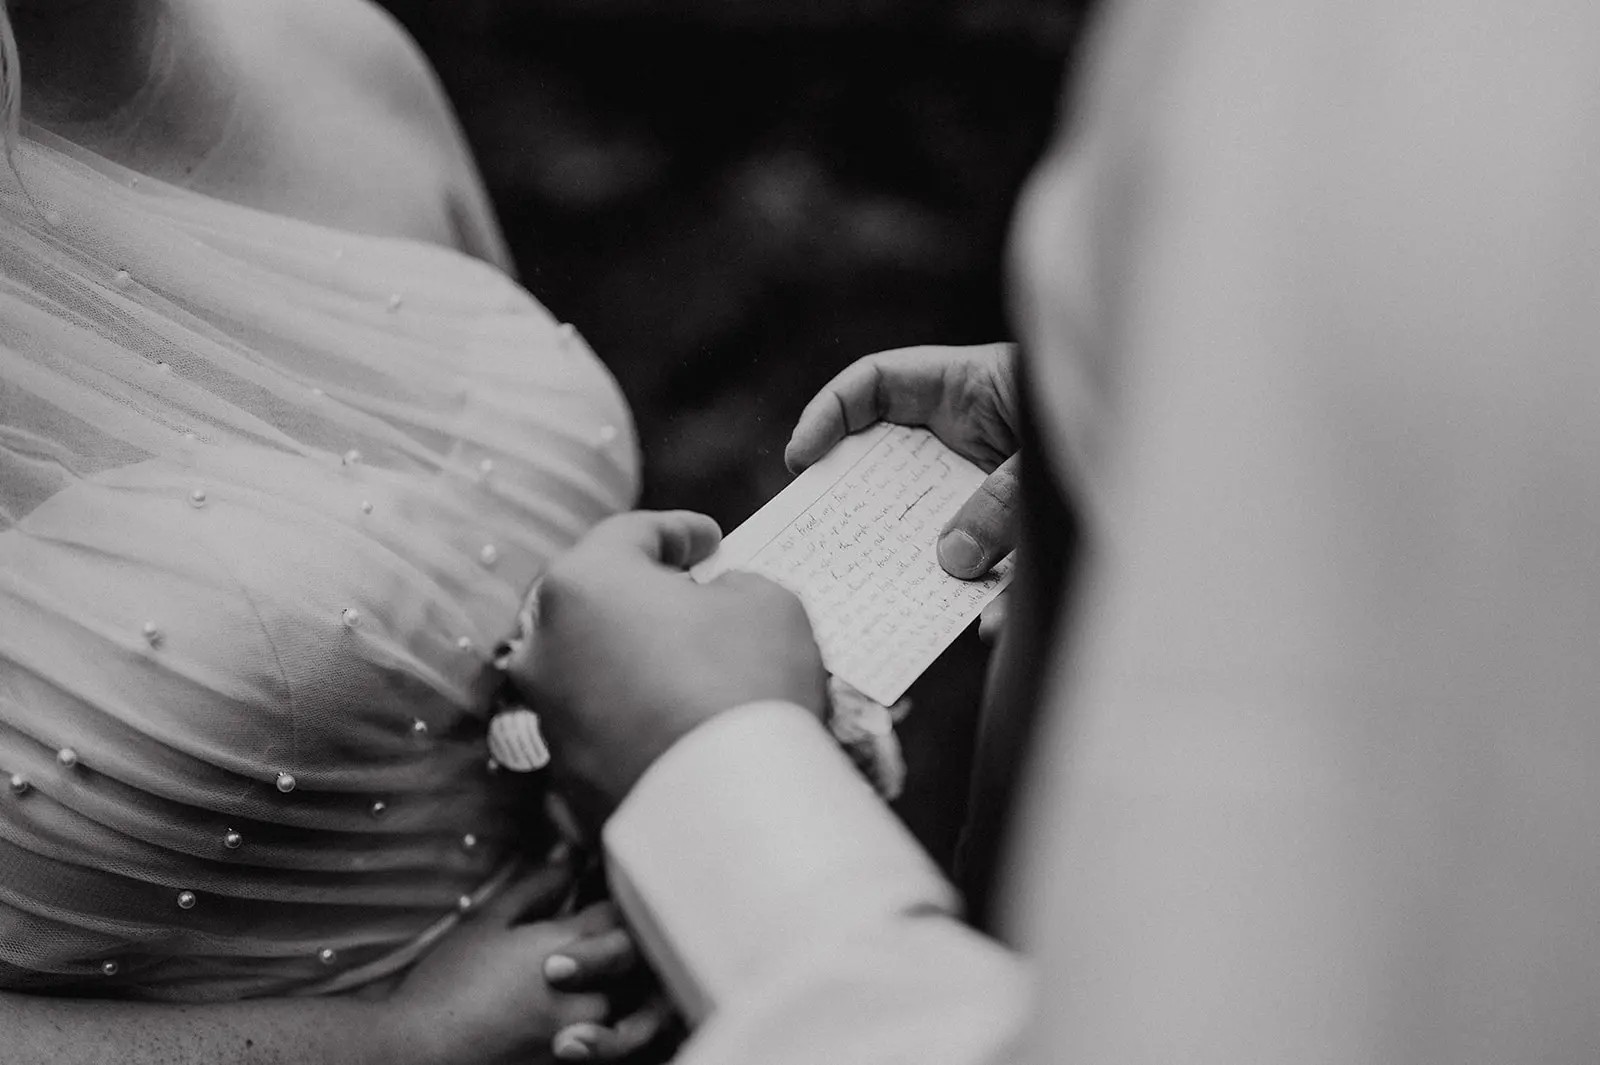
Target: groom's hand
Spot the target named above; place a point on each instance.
(628, 654)
(969, 397)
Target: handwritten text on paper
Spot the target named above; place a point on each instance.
(855, 538)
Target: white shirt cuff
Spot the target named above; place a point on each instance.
(750, 839)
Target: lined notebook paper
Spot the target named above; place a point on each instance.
(855, 536)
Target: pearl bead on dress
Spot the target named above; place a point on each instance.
(232, 840)
(122, 277)
(350, 616)
(109, 968)
(327, 955)
(19, 784)
(463, 643)
(366, 506)
(67, 757)
(395, 301)
(186, 900)
(197, 498)
(152, 635)
(419, 727)
(464, 904)
(286, 782)
(489, 555)
(469, 842)
(351, 457)
(378, 808)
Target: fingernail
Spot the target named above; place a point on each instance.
(570, 1044)
(560, 967)
(960, 554)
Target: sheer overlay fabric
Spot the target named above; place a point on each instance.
(270, 493)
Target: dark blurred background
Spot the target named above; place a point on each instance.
(734, 199)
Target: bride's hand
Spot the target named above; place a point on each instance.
(483, 995)
(968, 397)
(605, 959)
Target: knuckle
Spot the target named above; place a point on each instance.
(784, 603)
(767, 596)
(555, 586)
(1000, 355)
(601, 920)
(570, 579)
(750, 585)
(607, 526)
(1001, 490)
(794, 610)
(640, 1030)
(619, 957)
(582, 1009)
(600, 956)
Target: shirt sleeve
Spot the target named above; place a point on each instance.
(790, 913)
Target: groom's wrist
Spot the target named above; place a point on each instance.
(704, 745)
(744, 835)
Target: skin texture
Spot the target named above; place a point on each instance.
(325, 112)
(968, 397)
(484, 995)
(630, 655)
(480, 998)
(86, 58)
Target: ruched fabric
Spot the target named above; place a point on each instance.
(270, 493)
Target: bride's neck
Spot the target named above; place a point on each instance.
(145, 83)
(83, 61)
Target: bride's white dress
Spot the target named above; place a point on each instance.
(270, 493)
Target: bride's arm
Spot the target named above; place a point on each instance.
(479, 997)
(59, 1031)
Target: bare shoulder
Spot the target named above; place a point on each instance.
(359, 44)
(352, 81)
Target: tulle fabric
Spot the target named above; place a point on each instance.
(270, 493)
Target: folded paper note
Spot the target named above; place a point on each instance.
(855, 537)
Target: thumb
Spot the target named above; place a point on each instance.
(676, 538)
(987, 526)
